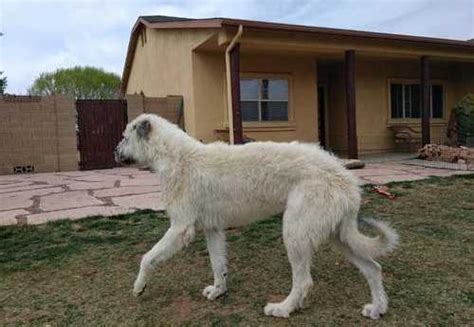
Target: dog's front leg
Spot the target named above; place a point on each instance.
(174, 240)
(217, 253)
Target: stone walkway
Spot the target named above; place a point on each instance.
(383, 173)
(39, 198)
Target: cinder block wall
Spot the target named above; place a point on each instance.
(135, 106)
(39, 132)
(169, 107)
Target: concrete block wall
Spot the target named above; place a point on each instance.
(135, 105)
(167, 107)
(38, 132)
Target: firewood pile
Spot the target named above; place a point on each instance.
(435, 152)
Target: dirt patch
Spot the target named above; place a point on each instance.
(183, 308)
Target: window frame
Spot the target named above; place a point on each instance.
(410, 81)
(290, 123)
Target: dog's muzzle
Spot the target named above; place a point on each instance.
(119, 158)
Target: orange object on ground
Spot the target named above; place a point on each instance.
(383, 190)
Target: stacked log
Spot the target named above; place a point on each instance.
(435, 152)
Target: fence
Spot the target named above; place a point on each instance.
(39, 134)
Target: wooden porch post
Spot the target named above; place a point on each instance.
(349, 69)
(425, 99)
(235, 86)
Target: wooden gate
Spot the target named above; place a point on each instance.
(100, 127)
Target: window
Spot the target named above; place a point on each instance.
(405, 100)
(264, 99)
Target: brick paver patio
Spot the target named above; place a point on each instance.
(39, 198)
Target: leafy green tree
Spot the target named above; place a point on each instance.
(78, 82)
(3, 84)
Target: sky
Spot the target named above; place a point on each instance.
(41, 36)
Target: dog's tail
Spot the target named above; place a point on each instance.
(360, 244)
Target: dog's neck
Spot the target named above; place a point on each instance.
(170, 151)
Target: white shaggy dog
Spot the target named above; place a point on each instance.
(216, 186)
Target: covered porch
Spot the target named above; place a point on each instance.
(345, 91)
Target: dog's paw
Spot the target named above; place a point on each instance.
(277, 310)
(372, 311)
(138, 289)
(212, 292)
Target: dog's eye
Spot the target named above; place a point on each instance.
(134, 127)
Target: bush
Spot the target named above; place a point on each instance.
(463, 125)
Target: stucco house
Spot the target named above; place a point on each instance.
(345, 89)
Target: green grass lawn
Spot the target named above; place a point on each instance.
(81, 272)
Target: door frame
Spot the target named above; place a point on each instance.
(324, 86)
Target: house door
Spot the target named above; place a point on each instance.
(100, 127)
(322, 115)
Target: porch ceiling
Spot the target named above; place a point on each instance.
(329, 46)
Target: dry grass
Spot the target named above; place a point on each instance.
(81, 273)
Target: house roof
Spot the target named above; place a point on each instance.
(343, 32)
(218, 22)
(169, 22)
(163, 19)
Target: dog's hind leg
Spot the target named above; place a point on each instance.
(217, 253)
(174, 240)
(300, 249)
(372, 272)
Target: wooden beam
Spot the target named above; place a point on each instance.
(425, 99)
(349, 72)
(235, 86)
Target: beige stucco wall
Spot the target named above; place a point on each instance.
(162, 66)
(210, 95)
(372, 98)
(462, 76)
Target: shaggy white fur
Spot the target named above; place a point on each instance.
(216, 186)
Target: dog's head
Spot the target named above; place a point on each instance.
(134, 146)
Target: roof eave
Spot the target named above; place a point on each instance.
(349, 33)
(130, 54)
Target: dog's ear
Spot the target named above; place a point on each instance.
(144, 129)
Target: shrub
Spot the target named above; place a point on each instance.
(463, 125)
